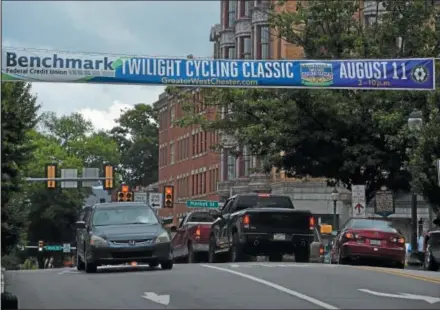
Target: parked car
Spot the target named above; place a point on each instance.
(431, 247)
(122, 232)
(191, 238)
(261, 225)
(373, 239)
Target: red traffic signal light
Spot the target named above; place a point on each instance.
(168, 196)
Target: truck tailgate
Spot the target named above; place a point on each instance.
(279, 220)
(199, 231)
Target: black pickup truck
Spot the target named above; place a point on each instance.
(260, 224)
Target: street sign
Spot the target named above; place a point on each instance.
(53, 248)
(384, 204)
(202, 204)
(140, 197)
(69, 173)
(155, 200)
(66, 248)
(358, 201)
(90, 173)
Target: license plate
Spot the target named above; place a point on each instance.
(375, 242)
(279, 237)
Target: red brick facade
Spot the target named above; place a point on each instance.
(186, 158)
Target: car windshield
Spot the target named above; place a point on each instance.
(201, 217)
(124, 215)
(263, 201)
(372, 224)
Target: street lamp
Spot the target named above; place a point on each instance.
(335, 198)
(415, 123)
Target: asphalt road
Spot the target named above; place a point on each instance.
(228, 286)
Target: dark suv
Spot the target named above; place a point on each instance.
(121, 232)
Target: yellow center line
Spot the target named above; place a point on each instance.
(397, 273)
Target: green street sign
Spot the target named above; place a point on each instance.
(53, 248)
(202, 204)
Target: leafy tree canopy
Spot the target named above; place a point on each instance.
(347, 136)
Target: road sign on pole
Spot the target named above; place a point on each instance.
(69, 173)
(66, 248)
(140, 197)
(202, 204)
(155, 200)
(358, 201)
(90, 173)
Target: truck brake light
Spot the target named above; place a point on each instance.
(197, 232)
(246, 219)
(312, 222)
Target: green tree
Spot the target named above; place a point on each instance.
(347, 136)
(19, 115)
(137, 134)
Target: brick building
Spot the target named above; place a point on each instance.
(186, 159)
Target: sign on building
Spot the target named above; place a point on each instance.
(384, 203)
(358, 201)
(140, 197)
(155, 200)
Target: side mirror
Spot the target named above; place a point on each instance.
(80, 225)
(215, 213)
(173, 229)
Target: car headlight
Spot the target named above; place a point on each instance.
(98, 241)
(163, 237)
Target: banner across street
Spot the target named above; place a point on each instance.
(47, 66)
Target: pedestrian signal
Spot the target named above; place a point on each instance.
(51, 174)
(40, 244)
(108, 174)
(168, 196)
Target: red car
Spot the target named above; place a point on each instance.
(372, 239)
(191, 239)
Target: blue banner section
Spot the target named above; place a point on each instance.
(393, 74)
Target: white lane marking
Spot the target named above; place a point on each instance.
(272, 265)
(69, 272)
(160, 299)
(428, 299)
(277, 287)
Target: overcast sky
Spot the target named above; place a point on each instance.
(154, 28)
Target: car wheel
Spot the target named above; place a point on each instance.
(236, 251)
(431, 264)
(153, 265)
(79, 262)
(9, 301)
(90, 267)
(167, 265)
(276, 257)
(399, 265)
(341, 260)
(191, 254)
(211, 252)
(302, 255)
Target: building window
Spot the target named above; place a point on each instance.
(172, 153)
(232, 11)
(263, 41)
(230, 53)
(245, 8)
(172, 115)
(245, 48)
(231, 167)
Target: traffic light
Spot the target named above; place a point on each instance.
(40, 245)
(125, 194)
(108, 174)
(51, 174)
(168, 196)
